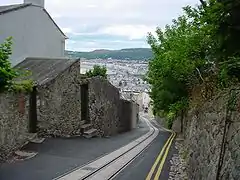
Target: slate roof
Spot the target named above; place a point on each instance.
(15, 7)
(43, 70)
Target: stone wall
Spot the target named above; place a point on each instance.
(125, 116)
(14, 120)
(212, 138)
(129, 115)
(59, 104)
(104, 102)
(134, 116)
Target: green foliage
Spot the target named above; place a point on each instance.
(8, 74)
(174, 110)
(97, 71)
(198, 45)
(22, 86)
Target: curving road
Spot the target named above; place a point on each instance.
(154, 162)
(141, 154)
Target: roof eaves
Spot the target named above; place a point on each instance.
(47, 81)
(55, 24)
(15, 8)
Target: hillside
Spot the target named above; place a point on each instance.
(131, 54)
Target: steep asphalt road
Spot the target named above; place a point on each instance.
(58, 155)
(141, 167)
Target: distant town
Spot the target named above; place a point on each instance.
(126, 75)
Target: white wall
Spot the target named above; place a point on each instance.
(36, 2)
(34, 34)
(145, 99)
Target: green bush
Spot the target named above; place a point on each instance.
(97, 71)
(8, 74)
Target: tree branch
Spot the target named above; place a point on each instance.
(203, 3)
(200, 74)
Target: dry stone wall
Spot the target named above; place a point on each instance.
(14, 121)
(108, 113)
(134, 116)
(125, 116)
(103, 106)
(59, 104)
(212, 139)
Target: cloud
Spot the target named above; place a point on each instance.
(111, 24)
(130, 31)
(67, 30)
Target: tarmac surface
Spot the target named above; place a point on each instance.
(58, 155)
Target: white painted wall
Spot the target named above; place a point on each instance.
(33, 32)
(145, 99)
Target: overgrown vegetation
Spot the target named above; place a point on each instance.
(200, 46)
(8, 74)
(97, 71)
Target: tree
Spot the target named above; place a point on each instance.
(97, 71)
(197, 46)
(7, 73)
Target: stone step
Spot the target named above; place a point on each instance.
(31, 136)
(82, 122)
(90, 133)
(86, 127)
(37, 140)
(24, 155)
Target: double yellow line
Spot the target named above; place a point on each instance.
(161, 158)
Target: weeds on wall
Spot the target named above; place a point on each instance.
(8, 75)
(200, 47)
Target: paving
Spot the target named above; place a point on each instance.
(57, 155)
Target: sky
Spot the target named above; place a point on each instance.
(110, 24)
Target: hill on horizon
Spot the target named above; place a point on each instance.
(123, 54)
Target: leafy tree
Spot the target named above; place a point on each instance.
(198, 45)
(7, 73)
(97, 71)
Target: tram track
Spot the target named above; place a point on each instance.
(108, 166)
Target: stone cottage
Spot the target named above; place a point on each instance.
(62, 103)
(54, 104)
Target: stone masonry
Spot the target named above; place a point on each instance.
(14, 122)
(209, 153)
(104, 106)
(58, 102)
(125, 115)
